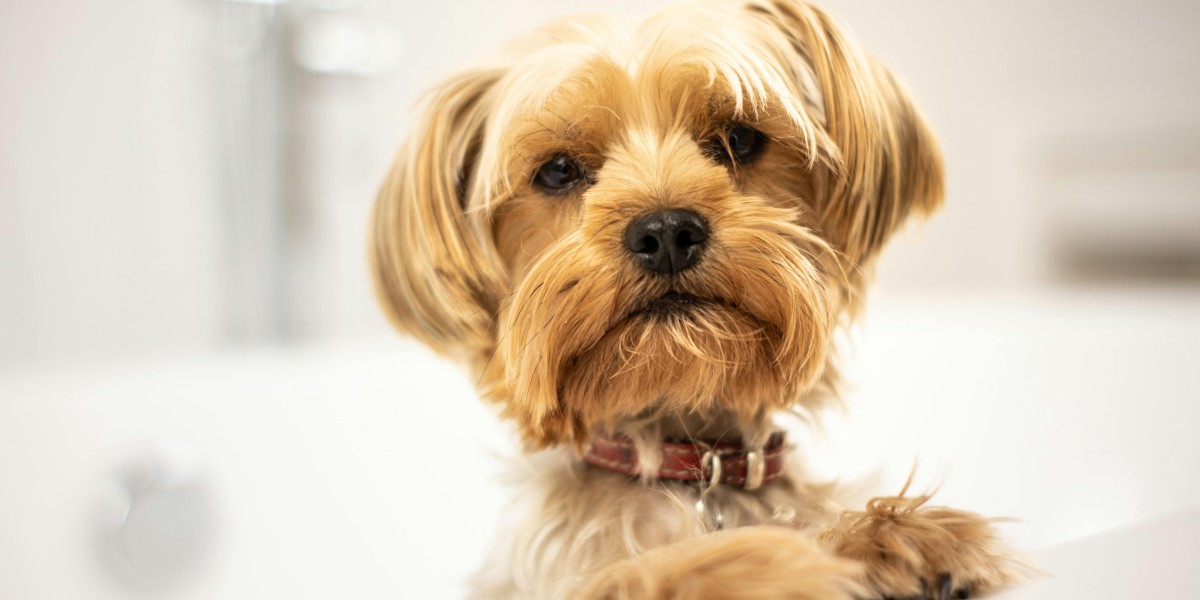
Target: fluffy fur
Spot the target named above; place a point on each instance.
(535, 292)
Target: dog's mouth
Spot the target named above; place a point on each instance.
(677, 303)
(670, 304)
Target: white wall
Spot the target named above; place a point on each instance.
(112, 240)
(1012, 88)
(107, 225)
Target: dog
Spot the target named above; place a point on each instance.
(641, 240)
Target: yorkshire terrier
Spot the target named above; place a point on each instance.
(641, 240)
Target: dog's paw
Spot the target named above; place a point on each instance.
(913, 552)
(751, 563)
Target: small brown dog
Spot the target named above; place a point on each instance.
(641, 240)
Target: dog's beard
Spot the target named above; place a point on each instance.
(586, 339)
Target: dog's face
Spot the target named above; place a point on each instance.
(668, 219)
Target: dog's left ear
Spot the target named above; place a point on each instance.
(434, 272)
(883, 163)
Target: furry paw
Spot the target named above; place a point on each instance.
(750, 563)
(912, 552)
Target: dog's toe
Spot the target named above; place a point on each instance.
(945, 590)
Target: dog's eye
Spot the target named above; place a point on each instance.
(559, 174)
(741, 144)
(744, 142)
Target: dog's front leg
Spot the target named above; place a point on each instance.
(748, 563)
(912, 551)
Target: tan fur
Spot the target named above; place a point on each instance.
(536, 293)
(898, 536)
(750, 563)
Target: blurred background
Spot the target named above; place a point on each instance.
(199, 398)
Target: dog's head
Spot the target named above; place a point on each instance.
(612, 222)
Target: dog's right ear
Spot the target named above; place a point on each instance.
(884, 162)
(433, 269)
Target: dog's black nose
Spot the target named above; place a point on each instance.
(667, 241)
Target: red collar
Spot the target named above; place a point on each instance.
(724, 462)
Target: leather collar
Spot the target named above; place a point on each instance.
(727, 463)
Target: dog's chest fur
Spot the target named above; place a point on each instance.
(570, 519)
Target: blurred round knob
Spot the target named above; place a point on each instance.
(154, 516)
